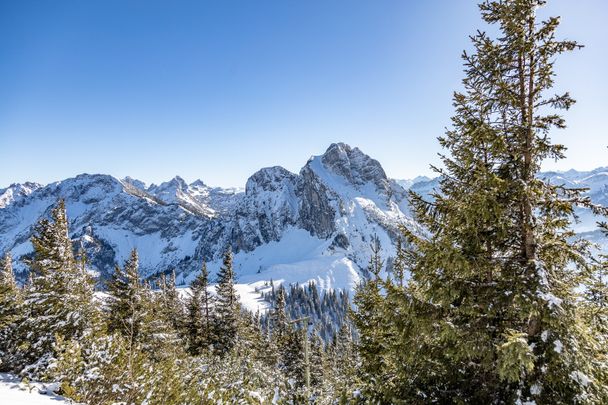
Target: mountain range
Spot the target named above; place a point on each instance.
(313, 225)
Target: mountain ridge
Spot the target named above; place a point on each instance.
(312, 225)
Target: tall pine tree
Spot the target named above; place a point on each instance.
(59, 299)
(199, 317)
(491, 313)
(127, 309)
(10, 311)
(227, 308)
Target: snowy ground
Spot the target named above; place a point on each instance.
(14, 392)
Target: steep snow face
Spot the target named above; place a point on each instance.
(365, 201)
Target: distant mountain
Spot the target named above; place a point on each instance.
(595, 181)
(313, 225)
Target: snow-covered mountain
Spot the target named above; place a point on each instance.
(595, 181)
(316, 224)
(313, 225)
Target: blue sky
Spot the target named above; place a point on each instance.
(218, 89)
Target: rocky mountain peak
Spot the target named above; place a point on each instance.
(16, 192)
(355, 167)
(198, 184)
(134, 182)
(269, 179)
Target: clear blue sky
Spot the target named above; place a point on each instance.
(218, 89)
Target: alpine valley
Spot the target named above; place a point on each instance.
(316, 225)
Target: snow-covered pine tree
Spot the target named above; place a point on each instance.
(59, 298)
(369, 320)
(199, 320)
(596, 315)
(279, 322)
(492, 310)
(227, 308)
(171, 305)
(343, 357)
(10, 293)
(10, 311)
(126, 309)
(293, 362)
(318, 360)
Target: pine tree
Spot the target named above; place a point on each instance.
(293, 361)
(492, 312)
(199, 322)
(227, 308)
(279, 322)
(10, 311)
(596, 316)
(126, 310)
(318, 360)
(59, 299)
(343, 367)
(171, 305)
(10, 293)
(399, 264)
(370, 321)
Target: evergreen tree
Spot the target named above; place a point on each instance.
(370, 322)
(10, 293)
(318, 360)
(10, 311)
(127, 309)
(199, 321)
(596, 315)
(227, 308)
(279, 325)
(491, 313)
(399, 264)
(171, 305)
(344, 362)
(59, 299)
(293, 361)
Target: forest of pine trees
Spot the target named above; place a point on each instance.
(142, 342)
(494, 300)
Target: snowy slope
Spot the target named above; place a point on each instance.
(13, 392)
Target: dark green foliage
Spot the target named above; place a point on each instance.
(327, 310)
(199, 318)
(227, 308)
(127, 308)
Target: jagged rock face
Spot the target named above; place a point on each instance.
(316, 213)
(355, 166)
